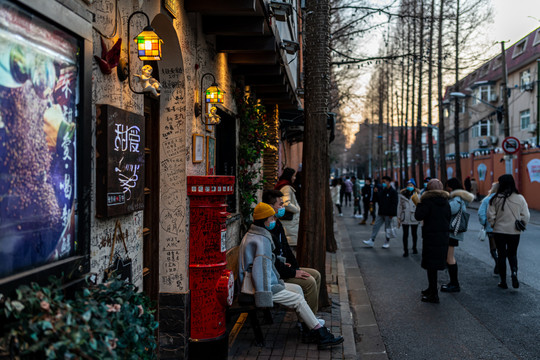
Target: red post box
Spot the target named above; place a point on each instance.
(210, 283)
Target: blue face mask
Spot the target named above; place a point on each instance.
(280, 212)
(384, 185)
(425, 185)
(271, 226)
(410, 188)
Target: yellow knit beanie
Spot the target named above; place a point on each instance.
(262, 211)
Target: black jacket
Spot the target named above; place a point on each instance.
(283, 252)
(388, 201)
(367, 193)
(434, 210)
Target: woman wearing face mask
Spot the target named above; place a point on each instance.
(291, 219)
(256, 256)
(406, 217)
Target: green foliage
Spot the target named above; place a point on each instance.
(253, 141)
(107, 321)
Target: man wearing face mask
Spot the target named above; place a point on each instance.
(286, 263)
(388, 202)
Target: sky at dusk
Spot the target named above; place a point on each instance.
(514, 19)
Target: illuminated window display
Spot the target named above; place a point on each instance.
(38, 112)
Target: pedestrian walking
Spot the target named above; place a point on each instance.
(291, 219)
(426, 181)
(459, 200)
(406, 210)
(286, 264)
(388, 202)
(506, 208)
(368, 200)
(348, 190)
(434, 210)
(474, 188)
(468, 184)
(482, 218)
(356, 197)
(335, 191)
(257, 259)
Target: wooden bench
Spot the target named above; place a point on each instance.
(245, 304)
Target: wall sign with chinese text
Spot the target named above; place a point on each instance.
(533, 168)
(120, 161)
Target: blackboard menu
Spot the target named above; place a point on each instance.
(120, 161)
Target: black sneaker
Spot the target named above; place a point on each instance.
(431, 298)
(325, 338)
(515, 282)
(450, 288)
(502, 285)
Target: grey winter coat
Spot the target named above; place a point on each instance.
(256, 250)
(459, 199)
(406, 208)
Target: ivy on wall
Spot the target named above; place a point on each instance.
(252, 142)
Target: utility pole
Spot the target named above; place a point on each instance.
(442, 143)
(508, 158)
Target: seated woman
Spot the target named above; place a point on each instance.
(256, 253)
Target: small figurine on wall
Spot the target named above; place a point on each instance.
(213, 117)
(149, 84)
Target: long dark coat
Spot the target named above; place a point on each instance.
(434, 210)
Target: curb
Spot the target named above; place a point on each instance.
(371, 345)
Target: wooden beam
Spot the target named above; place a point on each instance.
(229, 7)
(274, 70)
(254, 58)
(245, 44)
(264, 80)
(233, 25)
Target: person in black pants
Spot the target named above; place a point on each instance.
(406, 218)
(368, 201)
(434, 210)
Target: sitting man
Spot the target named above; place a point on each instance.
(256, 256)
(286, 264)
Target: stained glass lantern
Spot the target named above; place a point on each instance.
(148, 44)
(214, 95)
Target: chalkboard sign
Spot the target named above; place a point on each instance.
(120, 161)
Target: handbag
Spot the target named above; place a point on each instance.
(247, 283)
(459, 222)
(482, 234)
(519, 224)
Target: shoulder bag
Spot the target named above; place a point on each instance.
(459, 222)
(247, 283)
(519, 224)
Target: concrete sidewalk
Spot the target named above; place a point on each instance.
(350, 315)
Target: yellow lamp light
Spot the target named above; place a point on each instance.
(214, 95)
(148, 45)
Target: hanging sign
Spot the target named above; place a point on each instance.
(533, 167)
(511, 145)
(120, 161)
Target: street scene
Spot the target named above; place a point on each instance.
(269, 179)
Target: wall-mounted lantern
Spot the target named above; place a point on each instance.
(280, 9)
(212, 95)
(291, 47)
(148, 48)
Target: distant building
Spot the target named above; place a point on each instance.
(480, 105)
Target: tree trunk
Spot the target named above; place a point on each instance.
(419, 155)
(432, 171)
(457, 151)
(442, 142)
(311, 246)
(413, 103)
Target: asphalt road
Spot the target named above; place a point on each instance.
(480, 322)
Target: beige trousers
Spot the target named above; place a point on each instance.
(292, 297)
(310, 286)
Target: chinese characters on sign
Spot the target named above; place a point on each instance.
(38, 112)
(120, 161)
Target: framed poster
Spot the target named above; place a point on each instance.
(198, 148)
(120, 161)
(171, 6)
(43, 125)
(210, 155)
